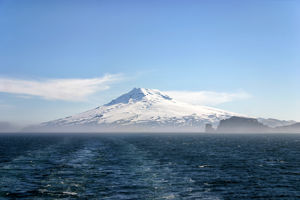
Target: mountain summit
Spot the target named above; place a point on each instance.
(139, 94)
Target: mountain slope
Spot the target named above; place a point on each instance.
(275, 122)
(143, 110)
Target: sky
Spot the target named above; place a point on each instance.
(60, 57)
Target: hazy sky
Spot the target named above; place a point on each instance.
(58, 58)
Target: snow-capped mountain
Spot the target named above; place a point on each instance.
(144, 110)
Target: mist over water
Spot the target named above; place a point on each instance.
(145, 166)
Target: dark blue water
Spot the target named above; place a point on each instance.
(203, 166)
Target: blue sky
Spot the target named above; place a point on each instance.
(247, 50)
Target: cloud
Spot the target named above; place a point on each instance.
(59, 89)
(207, 97)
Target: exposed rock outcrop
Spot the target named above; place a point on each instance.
(209, 128)
(241, 125)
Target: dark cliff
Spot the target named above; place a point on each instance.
(241, 125)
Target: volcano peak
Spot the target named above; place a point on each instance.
(138, 94)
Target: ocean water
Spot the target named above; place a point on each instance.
(150, 166)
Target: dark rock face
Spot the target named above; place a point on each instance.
(209, 128)
(241, 125)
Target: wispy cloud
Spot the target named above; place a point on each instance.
(207, 97)
(59, 89)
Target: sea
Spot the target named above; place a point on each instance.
(150, 166)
